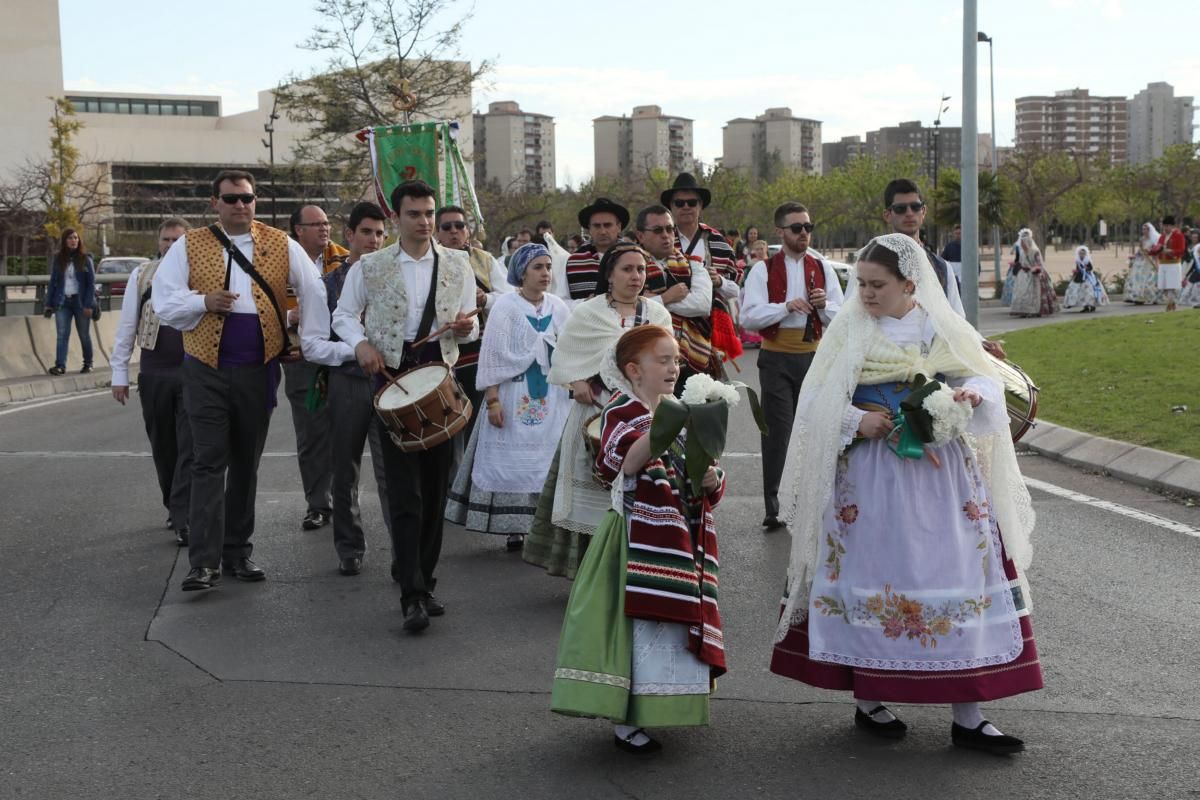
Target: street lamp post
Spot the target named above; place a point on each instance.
(983, 37)
(969, 205)
(937, 125)
(269, 143)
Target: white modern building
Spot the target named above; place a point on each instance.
(774, 139)
(514, 149)
(632, 146)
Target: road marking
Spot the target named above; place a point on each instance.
(31, 404)
(1116, 508)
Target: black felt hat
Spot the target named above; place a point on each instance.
(686, 181)
(603, 204)
(1169, 219)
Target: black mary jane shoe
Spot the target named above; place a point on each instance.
(892, 729)
(515, 542)
(626, 744)
(976, 739)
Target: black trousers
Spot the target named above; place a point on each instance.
(416, 491)
(779, 377)
(314, 444)
(229, 416)
(170, 436)
(353, 423)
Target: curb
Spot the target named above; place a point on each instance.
(1144, 466)
(43, 386)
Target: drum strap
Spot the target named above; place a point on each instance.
(427, 315)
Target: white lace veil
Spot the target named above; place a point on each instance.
(809, 473)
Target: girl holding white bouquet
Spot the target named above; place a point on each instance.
(909, 516)
(641, 642)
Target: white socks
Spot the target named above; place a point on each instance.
(969, 715)
(623, 732)
(883, 715)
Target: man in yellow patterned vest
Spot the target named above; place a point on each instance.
(391, 299)
(491, 280)
(225, 288)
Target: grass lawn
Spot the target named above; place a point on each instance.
(1118, 377)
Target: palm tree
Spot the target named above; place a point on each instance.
(949, 199)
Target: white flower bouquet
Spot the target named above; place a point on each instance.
(928, 416)
(703, 410)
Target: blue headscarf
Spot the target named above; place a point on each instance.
(520, 261)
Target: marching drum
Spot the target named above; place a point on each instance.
(1021, 398)
(423, 407)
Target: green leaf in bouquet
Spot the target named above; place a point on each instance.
(669, 419)
(756, 411)
(708, 428)
(697, 462)
(919, 420)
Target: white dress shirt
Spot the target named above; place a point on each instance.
(316, 329)
(758, 312)
(727, 289)
(698, 302)
(182, 308)
(418, 274)
(127, 325)
(70, 281)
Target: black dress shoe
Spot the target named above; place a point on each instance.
(416, 618)
(893, 729)
(244, 570)
(976, 739)
(772, 523)
(434, 607)
(314, 520)
(201, 578)
(181, 536)
(56, 370)
(626, 744)
(86, 369)
(350, 566)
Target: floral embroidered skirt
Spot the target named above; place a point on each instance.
(1141, 285)
(914, 599)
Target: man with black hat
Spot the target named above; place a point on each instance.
(604, 221)
(704, 245)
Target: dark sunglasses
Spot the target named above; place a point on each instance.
(232, 199)
(457, 225)
(690, 203)
(900, 208)
(800, 227)
(660, 229)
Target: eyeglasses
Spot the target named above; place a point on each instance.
(900, 208)
(325, 224)
(689, 203)
(457, 225)
(659, 229)
(800, 227)
(232, 199)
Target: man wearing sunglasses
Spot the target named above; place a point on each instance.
(225, 287)
(311, 228)
(491, 280)
(704, 245)
(684, 287)
(904, 210)
(790, 303)
(604, 221)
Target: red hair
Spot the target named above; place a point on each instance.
(636, 341)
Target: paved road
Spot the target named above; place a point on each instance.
(113, 684)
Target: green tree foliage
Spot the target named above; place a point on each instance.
(61, 213)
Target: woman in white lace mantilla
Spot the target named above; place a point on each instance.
(903, 584)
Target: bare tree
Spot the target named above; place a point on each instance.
(388, 62)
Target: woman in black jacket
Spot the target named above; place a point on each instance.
(72, 298)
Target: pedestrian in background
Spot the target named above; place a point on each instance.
(71, 298)
(1086, 290)
(1190, 296)
(1141, 285)
(1033, 294)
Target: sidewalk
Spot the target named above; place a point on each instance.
(36, 387)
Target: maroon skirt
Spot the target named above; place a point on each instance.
(1024, 674)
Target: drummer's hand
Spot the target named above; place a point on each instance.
(462, 325)
(583, 392)
(994, 349)
(875, 425)
(969, 396)
(495, 413)
(480, 298)
(711, 480)
(370, 359)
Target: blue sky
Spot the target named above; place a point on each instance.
(855, 64)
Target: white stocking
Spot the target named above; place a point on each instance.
(867, 706)
(623, 732)
(969, 715)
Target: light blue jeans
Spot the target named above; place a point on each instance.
(72, 310)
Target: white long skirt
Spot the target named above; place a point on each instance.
(579, 501)
(911, 576)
